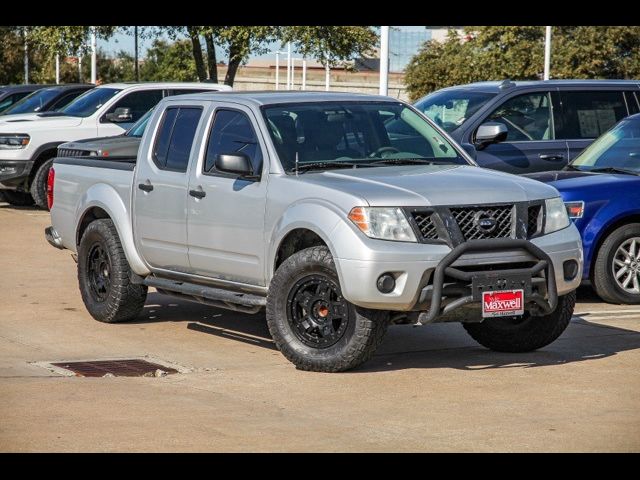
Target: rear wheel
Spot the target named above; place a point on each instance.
(525, 333)
(18, 199)
(312, 324)
(39, 184)
(616, 271)
(104, 275)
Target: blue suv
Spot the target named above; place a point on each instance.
(601, 189)
(530, 126)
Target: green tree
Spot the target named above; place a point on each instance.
(169, 62)
(517, 53)
(331, 44)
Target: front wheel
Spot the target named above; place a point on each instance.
(616, 270)
(104, 275)
(39, 184)
(525, 333)
(310, 321)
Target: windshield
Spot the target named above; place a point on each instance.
(86, 104)
(451, 108)
(617, 148)
(32, 102)
(138, 128)
(355, 134)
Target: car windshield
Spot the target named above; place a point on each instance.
(32, 102)
(451, 108)
(619, 148)
(86, 104)
(332, 135)
(138, 128)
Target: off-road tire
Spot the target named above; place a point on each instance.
(532, 333)
(365, 328)
(18, 199)
(39, 184)
(123, 300)
(602, 277)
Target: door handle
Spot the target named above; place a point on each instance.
(198, 193)
(146, 187)
(551, 156)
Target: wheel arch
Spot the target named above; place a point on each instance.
(103, 201)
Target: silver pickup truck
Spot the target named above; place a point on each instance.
(338, 213)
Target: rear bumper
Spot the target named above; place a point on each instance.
(13, 172)
(53, 238)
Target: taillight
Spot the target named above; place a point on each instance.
(50, 180)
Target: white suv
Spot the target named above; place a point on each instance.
(28, 142)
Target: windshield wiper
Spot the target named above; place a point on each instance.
(571, 167)
(305, 167)
(411, 161)
(614, 170)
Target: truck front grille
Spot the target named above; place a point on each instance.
(467, 220)
(533, 222)
(425, 225)
(70, 152)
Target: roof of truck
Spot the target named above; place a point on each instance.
(506, 85)
(259, 98)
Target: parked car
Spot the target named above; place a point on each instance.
(28, 142)
(304, 203)
(524, 127)
(47, 99)
(10, 94)
(118, 147)
(601, 188)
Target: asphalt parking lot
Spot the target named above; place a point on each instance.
(427, 389)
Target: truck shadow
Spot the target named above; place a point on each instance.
(407, 347)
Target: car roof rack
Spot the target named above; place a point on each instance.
(506, 84)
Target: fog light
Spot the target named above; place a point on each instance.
(386, 283)
(570, 268)
(8, 170)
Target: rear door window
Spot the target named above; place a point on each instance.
(588, 114)
(175, 137)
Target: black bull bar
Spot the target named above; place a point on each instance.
(468, 295)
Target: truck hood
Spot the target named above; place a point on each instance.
(432, 185)
(28, 122)
(118, 145)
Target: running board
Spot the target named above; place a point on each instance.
(216, 297)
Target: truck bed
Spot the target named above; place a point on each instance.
(82, 181)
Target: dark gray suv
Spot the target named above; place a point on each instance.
(530, 126)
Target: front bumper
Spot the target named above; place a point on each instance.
(414, 268)
(13, 172)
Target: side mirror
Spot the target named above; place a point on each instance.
(490, 132)
(120, 115)
(237, 163)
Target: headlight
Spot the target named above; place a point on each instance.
(575, 209)
(556, 217)
(384, 223)
(13, 141)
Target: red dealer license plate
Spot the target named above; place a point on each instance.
(505, 303)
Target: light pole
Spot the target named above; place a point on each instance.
(26, 57)
(547, 53)
(384, 60)
(94, 62)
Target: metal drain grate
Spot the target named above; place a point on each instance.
(117, 368)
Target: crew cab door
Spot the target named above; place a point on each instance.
(160, 186)
(531, 143)
(226, 212)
